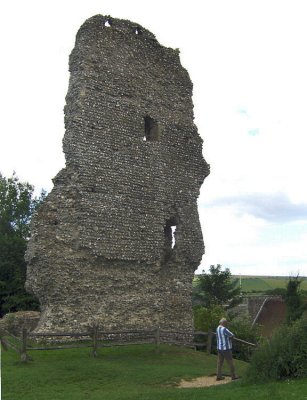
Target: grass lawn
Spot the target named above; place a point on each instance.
(256, 284)
(263, 283)
(130, 372)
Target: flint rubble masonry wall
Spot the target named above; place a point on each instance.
(118, 238)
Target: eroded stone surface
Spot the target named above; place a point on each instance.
(102, 243)
(16, 321)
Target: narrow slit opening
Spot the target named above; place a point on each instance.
(152, 131)
(170, 234)
(173, 228)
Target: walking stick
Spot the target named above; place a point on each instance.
(243, 341)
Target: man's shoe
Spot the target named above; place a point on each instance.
(220, 379)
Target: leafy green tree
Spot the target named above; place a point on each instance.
(17, 204)
(217, 288)
(294, 300)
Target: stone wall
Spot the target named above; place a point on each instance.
(118, 238)
(15, 322)
(272, 315)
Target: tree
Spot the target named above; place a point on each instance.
(293, 299)
(217, 288)
(17, 204)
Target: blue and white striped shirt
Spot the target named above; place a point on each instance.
(223, 336)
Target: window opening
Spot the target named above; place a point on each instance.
(152, 131)
(170, 233)
(107, 23)
(173, 228)
(170, 245)
(137, 30)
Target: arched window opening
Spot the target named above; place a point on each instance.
(152, 131)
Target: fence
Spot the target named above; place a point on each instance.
(94, 338)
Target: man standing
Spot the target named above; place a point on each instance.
(224, 349)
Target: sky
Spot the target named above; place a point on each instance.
(247, 61)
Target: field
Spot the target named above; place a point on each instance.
(126, 373)
(264, 283)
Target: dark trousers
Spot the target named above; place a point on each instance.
(225, 355)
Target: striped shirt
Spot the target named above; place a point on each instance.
(223, 336)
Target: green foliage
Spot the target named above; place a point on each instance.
(217, 288)
(242, 329)
(207, 318)
(283, 357)
(17, 204)
(293, 300)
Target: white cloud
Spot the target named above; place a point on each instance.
(251, 245)
(272, 207)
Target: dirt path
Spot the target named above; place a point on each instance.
(203, 381)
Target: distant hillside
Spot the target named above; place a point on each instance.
(263, 283)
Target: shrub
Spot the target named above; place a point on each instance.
(207, 318)
(242, 329)
(284, 356)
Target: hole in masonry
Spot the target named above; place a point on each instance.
(152, 131)
(170, 233)
(107, 23)
(173, 228)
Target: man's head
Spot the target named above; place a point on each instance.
(223, 322)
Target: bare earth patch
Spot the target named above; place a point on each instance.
(203, 381)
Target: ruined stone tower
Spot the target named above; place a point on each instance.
(118, 238)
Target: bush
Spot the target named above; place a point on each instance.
(242, 329)
(207, 318)
(284, 356)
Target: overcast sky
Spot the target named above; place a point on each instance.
(247, 60)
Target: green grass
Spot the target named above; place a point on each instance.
(255, 284)
(130, 372)
(264, 283)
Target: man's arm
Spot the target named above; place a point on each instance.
(228, 333)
